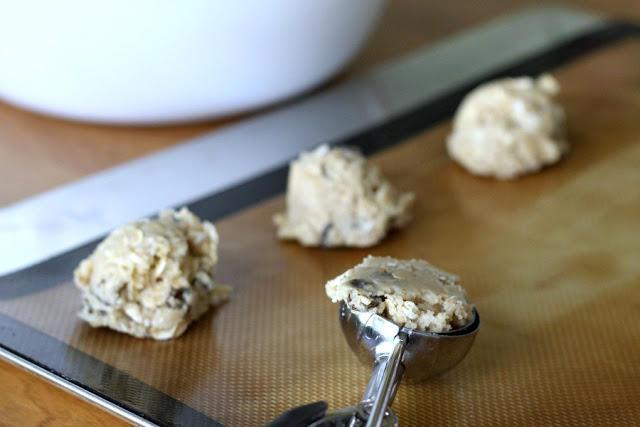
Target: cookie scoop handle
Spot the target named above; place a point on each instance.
(383, 384)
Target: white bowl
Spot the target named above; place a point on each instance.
(159, 61)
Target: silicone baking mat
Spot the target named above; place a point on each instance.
(551, 261)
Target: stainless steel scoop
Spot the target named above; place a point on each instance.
(395, 352)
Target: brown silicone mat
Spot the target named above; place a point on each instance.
(551, 260)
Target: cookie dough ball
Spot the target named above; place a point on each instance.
(152, 278)
(509, 127)
(411, 293)
(335, 197)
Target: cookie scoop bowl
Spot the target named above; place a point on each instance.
(147, 62)
(426, 354)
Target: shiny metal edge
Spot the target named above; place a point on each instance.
(63, 218)
(77, 391)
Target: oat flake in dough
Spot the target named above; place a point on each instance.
(411, 293)
(509, 127)
(335, 197)
(152, 278)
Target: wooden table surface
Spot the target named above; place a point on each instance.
(62, 151)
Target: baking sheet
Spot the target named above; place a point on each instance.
(550, 260)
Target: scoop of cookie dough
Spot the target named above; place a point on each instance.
(152, 278)
(335, 197)
(411, 293)
(509, 127)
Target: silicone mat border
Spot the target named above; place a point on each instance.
(137, 401)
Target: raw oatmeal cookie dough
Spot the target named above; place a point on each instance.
(152, 278)
(411, 293)
(335, 197)
(509, 127)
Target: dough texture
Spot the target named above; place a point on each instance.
(152, 278)
(509, 127)
(335, 197)
(411, 293)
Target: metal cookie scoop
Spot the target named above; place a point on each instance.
(395, 351)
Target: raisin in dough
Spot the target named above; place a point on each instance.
(509, 127)
(411, 293)
(335, 197)
(152, 278)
